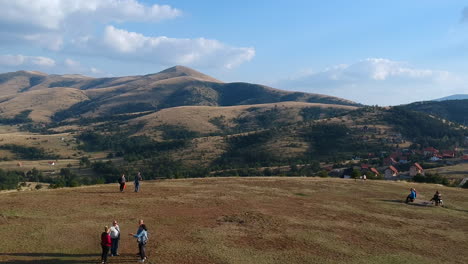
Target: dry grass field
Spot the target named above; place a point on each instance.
(239, 220)
(197, 118)
(458, 171)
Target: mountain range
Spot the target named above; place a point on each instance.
(198, 120)
(79, 96)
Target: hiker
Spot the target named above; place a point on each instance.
(137, 182)
(437, 198)
(142, 239)
(122, 182)
(411, 196)
(115, 237)
(105, 244)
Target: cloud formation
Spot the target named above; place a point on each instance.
(53, 15)
(22, 60)
(377, 81)
(122, 44)
(7, 62)
(85, 28)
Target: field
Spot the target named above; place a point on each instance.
(239, 220)
(458, 171)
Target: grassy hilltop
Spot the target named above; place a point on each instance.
(239, 220)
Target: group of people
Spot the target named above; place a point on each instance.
(110, 239)
(136, 182)
(437, 198)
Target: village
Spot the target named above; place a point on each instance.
(402, 164)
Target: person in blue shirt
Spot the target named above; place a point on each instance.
(412, 196)
(137, 180)
(142, 239)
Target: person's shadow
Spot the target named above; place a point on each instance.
(59, 258)
(425, 204)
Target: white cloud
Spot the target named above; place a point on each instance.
(84, 28)
(121, 44)
(22, 60)
(47, 23)
(377, 81)
(55, 14)
(67, 66)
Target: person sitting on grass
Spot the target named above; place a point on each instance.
(412, 196)
(437, 198)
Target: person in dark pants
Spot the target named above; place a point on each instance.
(142, 239)
(105, 244)
(122, 182)
(137, 180)
(115, 237)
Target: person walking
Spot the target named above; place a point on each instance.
(105, 244)
(122, 182)
(137, 180)
(142, 239)
(115, 238)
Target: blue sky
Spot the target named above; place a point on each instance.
(372, 52)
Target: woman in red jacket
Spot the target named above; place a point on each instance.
(105, 244)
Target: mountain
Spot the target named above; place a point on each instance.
(453, 97)
(452, 110)
(176, 86)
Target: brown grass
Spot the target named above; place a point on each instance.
(43, 103)
(196, 118)
(458, 171)
(240, 220)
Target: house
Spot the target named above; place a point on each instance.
(391, 173)
(430, 151)
(403, 160)
(51, 163)
(464, 158)
(389, 161)
(416, 169)
(375, 171)
(448, 154)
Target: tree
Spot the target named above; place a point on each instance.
(323, 174)
(84, 161)
(355, 174)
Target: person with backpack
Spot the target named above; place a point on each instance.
(105, 244)
(137, 180)
(142, 239)
(122, 182)
(115, 237)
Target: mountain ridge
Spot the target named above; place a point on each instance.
(172, 87)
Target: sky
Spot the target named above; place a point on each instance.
(372, 52)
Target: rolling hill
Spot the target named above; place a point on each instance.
(453, 97)
(452, 110)
(176, 86)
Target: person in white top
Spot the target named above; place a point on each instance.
(115, 237)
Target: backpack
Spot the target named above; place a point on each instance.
(144, 239)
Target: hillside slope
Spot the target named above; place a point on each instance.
(239, 220)
(452, 110)
(176, 86)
